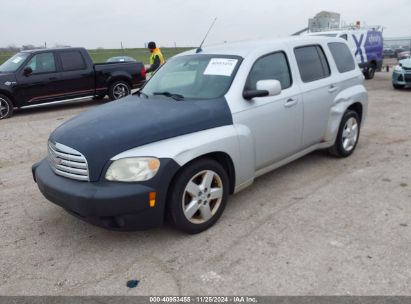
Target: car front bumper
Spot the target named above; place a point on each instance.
(112, 205)
(401, 78)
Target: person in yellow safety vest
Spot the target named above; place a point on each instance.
(156, 58)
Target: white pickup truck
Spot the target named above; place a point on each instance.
(202, 128)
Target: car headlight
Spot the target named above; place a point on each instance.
(136, 169)
(398, 68)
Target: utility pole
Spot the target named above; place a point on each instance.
(122, 48)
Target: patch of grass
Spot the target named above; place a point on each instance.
(101, 55)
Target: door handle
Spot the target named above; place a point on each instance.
(290, 102)
(332, 89)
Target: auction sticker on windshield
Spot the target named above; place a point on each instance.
(17, 59)
(221, 66)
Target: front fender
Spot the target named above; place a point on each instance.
(342, 102)
(233, 140)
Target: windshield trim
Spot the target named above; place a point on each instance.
(233, 75)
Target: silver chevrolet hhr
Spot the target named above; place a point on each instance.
(203, 127)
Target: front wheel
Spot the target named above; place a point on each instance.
(6, 107)
(348, 135)
(119, 89)
(198, 196)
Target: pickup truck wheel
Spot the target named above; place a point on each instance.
(198, 196)
(119, 89)
(348, 134)
(6, 107)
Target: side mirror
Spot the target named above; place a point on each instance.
(27, 71)
(264, 88)
(272, 86)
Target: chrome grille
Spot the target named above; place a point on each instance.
(67, 162)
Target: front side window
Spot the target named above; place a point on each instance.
(72, 61)
(312, 63)
(342, 56)
(42, 63)
(273, 66)
(13, 64)
(194, 76)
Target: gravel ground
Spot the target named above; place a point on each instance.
(318, 226)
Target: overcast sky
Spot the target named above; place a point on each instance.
(104, 23)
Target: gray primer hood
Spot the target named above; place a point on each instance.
(110, 129)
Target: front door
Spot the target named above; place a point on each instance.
(275, 121)
(43, 83)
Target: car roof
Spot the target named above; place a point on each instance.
(245, 48)
(53, 49)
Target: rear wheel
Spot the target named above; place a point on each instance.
(398, 86)
(348, 135)
(369, 72)
(119, 89)
(198, 196)
(6, 107)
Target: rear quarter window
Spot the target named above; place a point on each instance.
(312, 63)
(342, 56)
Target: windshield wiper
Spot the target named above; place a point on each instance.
(139, 92)
(172, 95)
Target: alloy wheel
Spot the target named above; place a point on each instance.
(4, 108)
(350, 134)
(202, 196)
(120, 90)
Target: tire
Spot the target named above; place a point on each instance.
(191, 207)
(398, 86)
(6, 107)
(119, 89)
(348, 135)
(369, 73)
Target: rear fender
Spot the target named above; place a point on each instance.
(341, 103)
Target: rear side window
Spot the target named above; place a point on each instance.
(342, 56)
(72, 61)
(312, 63)
(273, 66)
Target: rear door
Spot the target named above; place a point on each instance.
(77, 78)
(318, 90)
(43, 83)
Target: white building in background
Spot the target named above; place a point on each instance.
(324, 21)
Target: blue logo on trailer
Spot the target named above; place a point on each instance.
(358, 44)
(374, 46)
(370, 49)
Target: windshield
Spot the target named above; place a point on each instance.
(194, 76)
(14, 62)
